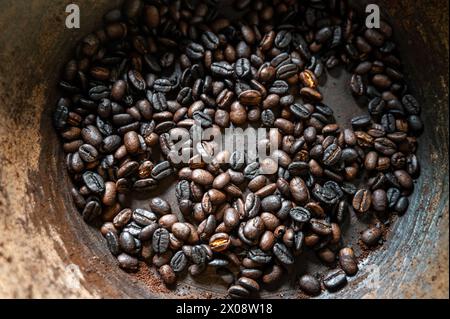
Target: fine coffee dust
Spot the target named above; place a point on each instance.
(161, 67)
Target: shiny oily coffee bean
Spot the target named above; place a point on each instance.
(179, 261)
(160, 206)
(160, 240)
(334, 280)
(310, 285)
(347, 261)
(371, 236)
(362, 200)
(283, 254)
(300, 214)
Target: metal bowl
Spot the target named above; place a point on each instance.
(46, 250)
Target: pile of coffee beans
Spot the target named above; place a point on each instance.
(159, 67)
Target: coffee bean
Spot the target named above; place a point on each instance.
(300, 214)
(272, 275)
(202, 177)
(259, 256)
(283, 254)
(320, 227)
(128, 262)
(167, 274)
(210, 40)
(112, 241)
(371, 236)
(271, 203)
(237, 291)
(252, 205)
(219, 242)
(143, 217)
(254, 228)
(347, 261)
(94, 182)
(299, 190)
(179, 261)
(248, 283)
(362, 200)
(334, 280)
(379, 200)
(160, 240)
(160, 206)
(310, 285)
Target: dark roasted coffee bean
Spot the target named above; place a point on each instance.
(271, 203)
(128, 262)
(379, 200)
(222, 69)
(279, 87)
(283, 39)
(136, 80)
(410, 104)
(334, 280)
(357, 85)
(143, 217)
(147, 232)
(300, 214)
(237, 291)
(210, 40)
(242, 68)
(179, 261)
(301, 111)
(310, 285)
(251, 170)
(320, 227)
(283, 254)
(249, 284)
(195, 51)
(347, 261)
(259, 256)
(94, 182)
(325, 195)
(252, 205)
(371, 236)
(332, 154)
(402, 205)
(162, 170)
(254, 228)
(299, 190)
(160, 240)
(362, 200)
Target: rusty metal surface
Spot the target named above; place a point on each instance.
(46, 250)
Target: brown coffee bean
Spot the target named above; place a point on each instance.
(181, 231)
(202, 177)
(250, 98)
(310, 285)
(272, 275)
(231, 217)
(219, 242)
(221, 180)
(253, 228)
(167, 274)
(299, 190)
(267, 241)
(348, 261)
(362, 200)
(131, 142)
(404, 179)
(371, 236)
